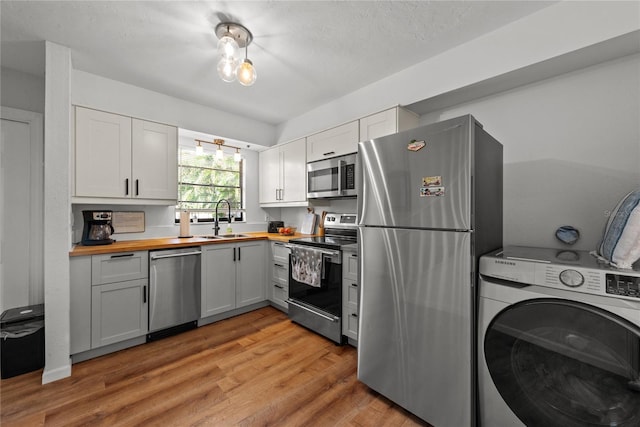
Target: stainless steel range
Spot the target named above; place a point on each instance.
(315, 276)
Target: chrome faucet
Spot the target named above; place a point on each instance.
(216, 227)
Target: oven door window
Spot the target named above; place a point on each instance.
(564, 363)
(323, 180)
(327, 296)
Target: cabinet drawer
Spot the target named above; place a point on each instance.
(280, 292)
(280, 273)
(280, 253)
(350, 322)
(111, 268)
(350, 265)
(351, 291)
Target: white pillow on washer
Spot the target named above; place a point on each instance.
(620, 245)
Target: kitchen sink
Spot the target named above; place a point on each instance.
(225, 236)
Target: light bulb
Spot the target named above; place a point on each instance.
(199, 149)
(219, 154)
(228, 47)
(236, 156)
(246, 73)
(227, 69)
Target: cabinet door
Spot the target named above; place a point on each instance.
(118, 312)
(154, 160)
(251, 273)
(333, 142)
(102, 154)
(294, 171)
(379, 124)
(270, 175)
(80, 304)
(218, 279)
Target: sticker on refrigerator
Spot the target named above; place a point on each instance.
(431, 191)
(415, 145)
(432, 181)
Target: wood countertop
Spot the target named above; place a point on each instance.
(175, 242)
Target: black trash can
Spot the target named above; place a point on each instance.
(21, 340)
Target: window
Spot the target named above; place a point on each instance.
(203, 180)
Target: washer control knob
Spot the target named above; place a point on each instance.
(571, 278)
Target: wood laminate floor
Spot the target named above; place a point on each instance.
(257, 369)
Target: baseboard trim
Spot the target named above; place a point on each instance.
(51, 375)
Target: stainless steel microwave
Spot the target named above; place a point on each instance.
(332, 178)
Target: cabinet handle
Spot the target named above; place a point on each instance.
(279, 265)
(355, 285)
(234, 254)
(354, 315)
(121, 256)
(144, 294)
(126, 187)
(137, 188)
(279, 286)
(239, 254)
(329, 153)
(354, 255)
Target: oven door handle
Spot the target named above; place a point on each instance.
(331, 319)
(323, 251)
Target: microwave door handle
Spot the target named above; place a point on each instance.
(341, 164)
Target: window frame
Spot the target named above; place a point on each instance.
(207, 215)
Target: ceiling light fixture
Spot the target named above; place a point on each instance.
(219, 153)
(231, 38)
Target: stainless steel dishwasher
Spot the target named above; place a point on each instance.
(174, 291)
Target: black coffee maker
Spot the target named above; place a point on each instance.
(97, 228)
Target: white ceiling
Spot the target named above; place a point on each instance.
(306, 53)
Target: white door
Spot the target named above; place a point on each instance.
(21, 223)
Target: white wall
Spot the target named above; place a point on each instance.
(21, 90)
(553, 31)
(571, 150)
(98, 92)
(57, 207)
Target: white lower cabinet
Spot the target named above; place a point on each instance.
(279, 277)
(119, 312)
(350, 293)
(108, 299)
(232, 276)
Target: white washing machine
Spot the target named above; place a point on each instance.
(558, 340)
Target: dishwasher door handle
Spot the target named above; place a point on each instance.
(153, 256)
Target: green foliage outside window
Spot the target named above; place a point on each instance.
(203, 180)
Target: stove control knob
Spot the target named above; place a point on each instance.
(571, 278)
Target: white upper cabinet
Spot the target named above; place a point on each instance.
(387, 122)
(283, 175)
(103, 154)
(154, 164)
(333, 142)
(118, 157)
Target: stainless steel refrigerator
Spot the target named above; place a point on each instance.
(429, 204)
